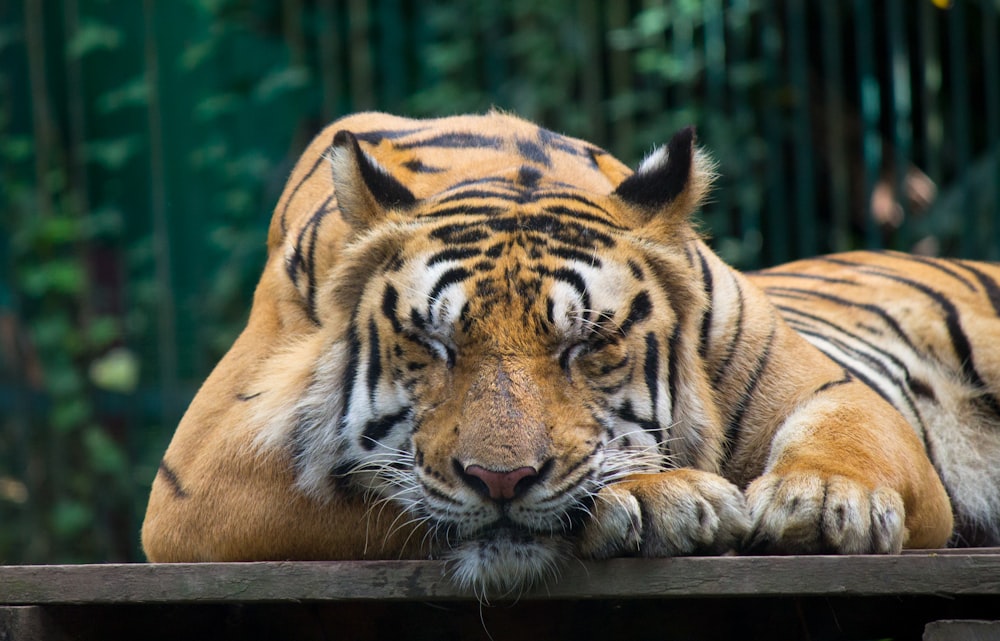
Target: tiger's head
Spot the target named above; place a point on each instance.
(496, 316)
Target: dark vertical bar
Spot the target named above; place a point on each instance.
(592, 79)
(871, 140)
(623, 142)
(835, 126)
(932, 74)
(745, 120)
(776, 216)
(330, 62)
(991, 80)
(958, 96)
(803, 178)
(901, 116)
(359, 40)
(714, 19)
(494, 51)
(166, 320)
(390, 67)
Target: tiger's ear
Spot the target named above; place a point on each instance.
(365, 190)
(670, 183)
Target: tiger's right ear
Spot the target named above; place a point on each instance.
(364, 189)
(670, 183)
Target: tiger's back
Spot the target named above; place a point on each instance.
(925, 334)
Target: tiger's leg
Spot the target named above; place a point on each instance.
(677, 512)
(846, 474)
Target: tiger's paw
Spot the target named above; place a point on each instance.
(668, 514)
(806, 513)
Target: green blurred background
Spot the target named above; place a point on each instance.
(143, 144)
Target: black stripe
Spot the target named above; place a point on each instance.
(813, 277)
(174, 483)
(743, 404)
(651, 371)
(374, 358)
(476, 193)
(934, 263)
(555, 194)
(735, 339)
(875, 363)
(960, 342)
(847, 378)
(570, 253)
(377, 429)
(389, 301)
(460, 234)
(418, 167)
(673, 363)
(322, 160)
(464, 209)
(454, 140)
(448, 278)
(636, 270)
(841, 329)
(453, 254)
(988, 284)
(534, 152)
(639, 310)
(374, 138)
(806, 294)
(572, 278)
(382, 185)
(247, 397)
(529, 176)
(563, 210)
(627, 413)
(350, 368)
(708, 286)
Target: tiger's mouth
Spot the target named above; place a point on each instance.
(505, 559)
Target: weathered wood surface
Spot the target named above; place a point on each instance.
(930, 574)
(962, 631)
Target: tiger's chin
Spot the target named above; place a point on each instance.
(505, 562)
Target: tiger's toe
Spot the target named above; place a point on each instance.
(673, 513)
(806, 513)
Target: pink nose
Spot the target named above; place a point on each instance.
(502, 485)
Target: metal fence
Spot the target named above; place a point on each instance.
(144, 143)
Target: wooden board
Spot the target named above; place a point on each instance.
(943, 574)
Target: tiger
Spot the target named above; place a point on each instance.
(480, 341)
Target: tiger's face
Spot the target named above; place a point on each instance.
(501, 364)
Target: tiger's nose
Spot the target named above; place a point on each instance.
(500, 485)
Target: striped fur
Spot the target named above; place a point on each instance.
(478, 340)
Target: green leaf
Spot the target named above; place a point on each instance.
(116, 371)
(281, 81)
(93, 36)
(134, 93)
(70, 517)
(59, 276)
(105, 455)
(70, 414)
(114, 153)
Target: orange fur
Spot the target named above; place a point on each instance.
(554, 337)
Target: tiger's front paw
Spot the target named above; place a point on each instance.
(806, 513)
(667, 514)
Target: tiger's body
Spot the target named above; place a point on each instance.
(478, 340)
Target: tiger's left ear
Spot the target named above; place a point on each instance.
(670, 183)
(365, 190)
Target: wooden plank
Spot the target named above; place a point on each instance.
(924, 574)
(27, 623)
(962, 631)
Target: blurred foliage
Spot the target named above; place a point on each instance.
(143, 144)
